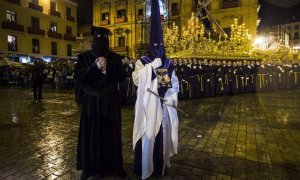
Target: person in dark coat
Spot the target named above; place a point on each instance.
(219, 78)
(37, 79)
(97, 73)
(195, 83)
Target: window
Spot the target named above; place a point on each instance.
(289, 27)
(35, 46)
(10, 16)
(69, 30)
(53, 26)
(296, 35)
(297, 27)
(52, 6)
(35, 1)
(121, 13)
(105, 16)
(141, 12)
(12, 43)
(54, 48)
(175, 6)
(69, 50)
(68, 12)
(122, 42)
(35, 22)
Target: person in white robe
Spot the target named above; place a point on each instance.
(155, 120)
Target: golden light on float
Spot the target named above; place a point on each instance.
(260, 42)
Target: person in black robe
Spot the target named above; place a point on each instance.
(234, 79)
(219, 78)
(37, 79)
(98, 72)
(179, 69)
(195, 83)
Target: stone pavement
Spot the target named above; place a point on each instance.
(250, 136)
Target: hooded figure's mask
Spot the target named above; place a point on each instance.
(100, 45)
(157, 49)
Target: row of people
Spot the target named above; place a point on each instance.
(208, 78)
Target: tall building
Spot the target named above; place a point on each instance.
(128, 20)
(37, 28)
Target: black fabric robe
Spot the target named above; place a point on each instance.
(99, 149)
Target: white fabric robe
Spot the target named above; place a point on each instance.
(149, 116)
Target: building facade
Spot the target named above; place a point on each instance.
(128, 20)
(293, 29)
(38, 28)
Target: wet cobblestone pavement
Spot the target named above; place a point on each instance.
(250, 136)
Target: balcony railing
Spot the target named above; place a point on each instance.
(12, 26)
(54, 13)
(175, 12)
(14, 1)
(35, 7)
(120, 49)
(120, 20)
(141, 47)
(54, 35)
(69, 37)
(104, 22)
(37, 31)
(70, 18)
(230, 4)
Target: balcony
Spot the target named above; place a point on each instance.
(175, 12)
(12, 26)
(120, 49)
(230, 4)
(70, 18)
(104, 22)
(69, 37)
(14, 1)
(37, 31)
(120, 20)
(54, 13)
(141, 47)
(35, 7)
(54, 35)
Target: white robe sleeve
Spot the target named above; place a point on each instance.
(135, 74)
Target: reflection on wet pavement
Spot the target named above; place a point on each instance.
(231, 137)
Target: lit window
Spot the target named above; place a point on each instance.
(10, 16)
(105, 16)
(121, 13)
(53, 27)
(12, 43)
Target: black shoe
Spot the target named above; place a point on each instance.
(122, 174)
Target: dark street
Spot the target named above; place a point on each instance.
(253, 136)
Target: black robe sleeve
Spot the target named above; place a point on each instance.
(89, 78)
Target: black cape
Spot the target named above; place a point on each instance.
(99, 149)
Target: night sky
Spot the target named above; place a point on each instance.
(278, 12)
(85, 12)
